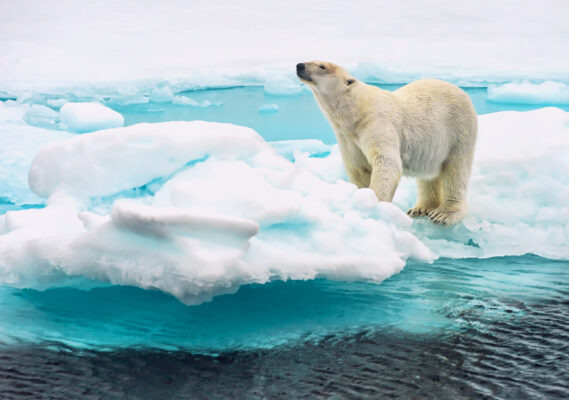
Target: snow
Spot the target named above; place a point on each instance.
(89, 117)
(229, 209)
(548, 92)
(53, 48)
(231, 212)
(19, 143)
(290, 148)
(519, 190)
(148, 151)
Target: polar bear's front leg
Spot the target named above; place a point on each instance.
(381, 148)
(385, 174)
(355, 163)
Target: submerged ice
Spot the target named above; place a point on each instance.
(197, 209)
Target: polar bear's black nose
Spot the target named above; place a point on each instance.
(300, 67)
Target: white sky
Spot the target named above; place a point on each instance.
(49, 42)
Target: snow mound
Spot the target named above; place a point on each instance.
(231, 212)
(109, 161)
(88, 117)
(548, 92)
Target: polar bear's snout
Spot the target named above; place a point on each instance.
(302, 72)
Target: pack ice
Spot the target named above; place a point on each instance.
(224, 209)
(197, 209)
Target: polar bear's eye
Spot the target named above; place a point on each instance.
(322, 67)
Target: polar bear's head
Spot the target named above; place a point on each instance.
(325, 78)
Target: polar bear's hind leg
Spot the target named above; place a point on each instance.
(454, 179)
(429, 197)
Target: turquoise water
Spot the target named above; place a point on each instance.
(454, 329)
(434, 299)
(457, 328)
(298, 117)
(421, 299)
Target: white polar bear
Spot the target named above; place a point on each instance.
(426, 129)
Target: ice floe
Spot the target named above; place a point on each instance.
(407, 41)
(89, 117)
(548, 92)
(227, 208)
(268, 109)
(231, 211)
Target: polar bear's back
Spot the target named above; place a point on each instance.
(438, 118)
(436, 97)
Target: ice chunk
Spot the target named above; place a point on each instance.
(161, 222)
(329, 168)
(313, 147)
(56, 103)
(243, 214)
(547, 92)
(37, 241)
(19, 143)
(236, 180)
(42, 116)
(88, 117)
(110, 161)
(281, 85)
(162, 94)
(188, 101)
(268, 109)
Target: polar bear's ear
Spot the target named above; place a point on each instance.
(350, 81)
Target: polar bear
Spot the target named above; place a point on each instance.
(426, 129)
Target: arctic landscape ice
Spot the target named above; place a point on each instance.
(176, 221)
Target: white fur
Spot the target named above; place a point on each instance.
(426, 129)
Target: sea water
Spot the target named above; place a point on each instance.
(456, 328)
(295, 117)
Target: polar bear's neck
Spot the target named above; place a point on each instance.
(346, 112)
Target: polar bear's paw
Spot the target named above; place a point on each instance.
(419, 211)
(445, 217)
